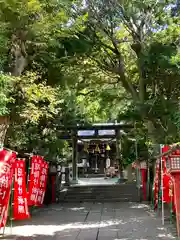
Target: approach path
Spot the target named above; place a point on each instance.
(88, 221)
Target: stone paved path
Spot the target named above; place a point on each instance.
(88, 221)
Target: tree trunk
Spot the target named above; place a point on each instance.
(152, 136)
(18, 54)
(155, 150)
(19, 66)
(18, 63)
(4, 124)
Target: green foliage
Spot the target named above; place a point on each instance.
(137, 43)
(37, 100)
(73, 63)
(6, 85)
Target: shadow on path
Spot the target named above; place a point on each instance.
(88, 221)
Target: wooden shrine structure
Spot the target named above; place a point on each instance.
(95, 131)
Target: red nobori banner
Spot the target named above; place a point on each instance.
(20, 210)
(156, 183)
(7, 160)
(43, 182)
(34, 180)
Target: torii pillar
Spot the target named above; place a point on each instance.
(74, 157)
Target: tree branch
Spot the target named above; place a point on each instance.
(85, 94)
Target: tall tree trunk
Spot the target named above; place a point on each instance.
(4, 124)
(155, 152)
(18, 62)
(18, 53)
(152, 136)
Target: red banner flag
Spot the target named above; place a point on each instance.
(7, 160)
(43, 182)
(20, 210)
(34, 180)
(156, 184)
(166, 188)
(144, 180)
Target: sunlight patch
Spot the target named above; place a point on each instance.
(138, 206)
(168, 235)
(161, 228)
(135, 220)
(111, 223)
(51, 230)
(77, 209)
(129, 239)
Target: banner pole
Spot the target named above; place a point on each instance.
(152, 197)
(28, 173)
(171, 211)
(12, 204)
(162, 192)
(4, 229)
(28, 177)
(171, 203)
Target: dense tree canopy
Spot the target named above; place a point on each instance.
(66, 62)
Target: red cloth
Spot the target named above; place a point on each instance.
(166, 188)
(176, 180)
(20, 210)
(7, 160)
(43, 182)
(144, 180)
(34, 180)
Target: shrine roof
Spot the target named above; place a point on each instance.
(98, 126)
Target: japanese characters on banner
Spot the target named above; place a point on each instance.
(156, 184)
(43, 181)
(172, 189)
(168, 191)
(20, 210)
(7, 160)
(166, 177)
(34, 180)
(37, 181)
(167, 188)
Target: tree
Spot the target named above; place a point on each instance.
(137, 43)
(70, 62)
(28, 41)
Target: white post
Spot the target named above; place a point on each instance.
(162, 192)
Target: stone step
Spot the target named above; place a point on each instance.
(106, 193)
(95, 175)
(102, 186)
(101, 194)
(101, 190)
(101, 200)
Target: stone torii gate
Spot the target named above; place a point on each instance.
(94, 131)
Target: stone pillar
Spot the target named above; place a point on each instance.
(129, 173)
(118, 154)
(74, 158)
(67, 176)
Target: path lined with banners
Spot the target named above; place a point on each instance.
(88, 221)
(20, 186)
(23, 185)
